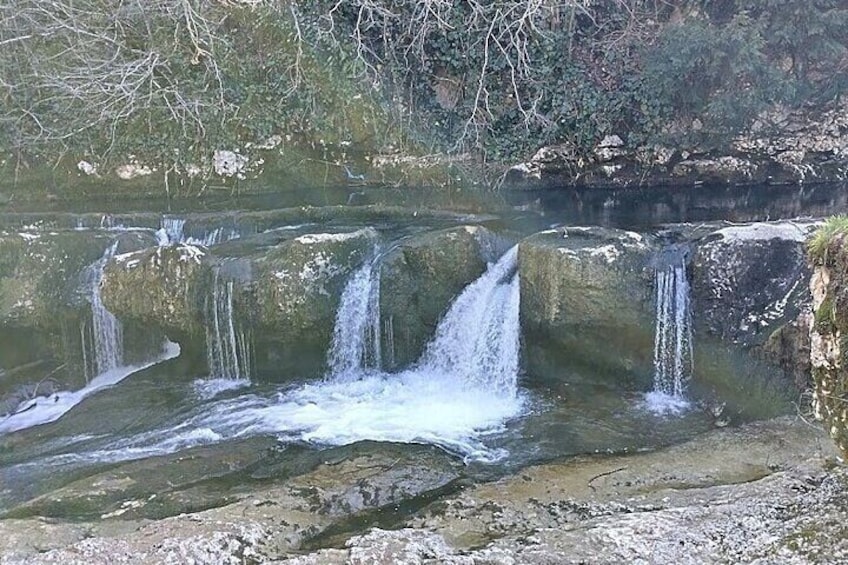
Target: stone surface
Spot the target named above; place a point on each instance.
(160, 287)
(590, 290)
(829, 288)
(419, 278)
(779, 148)
(749, 280)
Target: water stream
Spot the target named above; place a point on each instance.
(673, 333)
(228, 346)
(105, 338)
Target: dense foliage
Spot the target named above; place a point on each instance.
(170, 80)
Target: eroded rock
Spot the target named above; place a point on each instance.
(420, 277)
(590, 290)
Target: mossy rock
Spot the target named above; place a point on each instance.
(419, 278)
(589, 290)
(161, 287)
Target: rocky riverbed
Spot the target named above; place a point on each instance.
(767, 492)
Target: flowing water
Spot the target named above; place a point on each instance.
(103, 342)
(228, 346)
(356, 345)
(469, 393)
(673, 356)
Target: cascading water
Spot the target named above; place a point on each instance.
(356, 336)
(106, 335)
(172, 232)
(673, 332)
(228, 347)
(463, 389)
(477, 341)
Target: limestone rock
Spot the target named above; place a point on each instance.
(420, 277)
(829, 288)
(749, 280)
(160, 286)
(590, 291)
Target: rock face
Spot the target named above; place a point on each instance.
(829, 287)
(749, 280)
(749, 285)
(793, 148)
(590, 291)
(159, 287)
(419, 279)
(286, 294)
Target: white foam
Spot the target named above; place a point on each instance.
(412, 407)
(663, 404)
(207, 389)
(45, 409)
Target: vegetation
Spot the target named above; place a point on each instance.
(168, 81)
(818, 244)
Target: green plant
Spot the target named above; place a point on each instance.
(818, 244)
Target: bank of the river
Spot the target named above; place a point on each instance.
(768, 492)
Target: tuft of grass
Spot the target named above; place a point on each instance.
(817, 245)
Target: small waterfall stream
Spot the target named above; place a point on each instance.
(228, 349)
(172, 232)
(105, 340)
(356, 336)
(673, 332)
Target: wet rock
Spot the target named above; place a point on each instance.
(296, 287)
(590, 290)
(749, 280)
(40, 271)
(161, 287)
(419, 279)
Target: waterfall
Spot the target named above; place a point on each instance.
(106, 337)
(172, 232)
(458, 396)
(356, 335)
(478, 339)
(673, 332)
(228, 348)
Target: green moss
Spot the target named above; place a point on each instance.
(824, 317)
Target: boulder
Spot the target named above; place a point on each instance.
(161, 287)
(589, 292)
(419, 278)
(749, 280)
